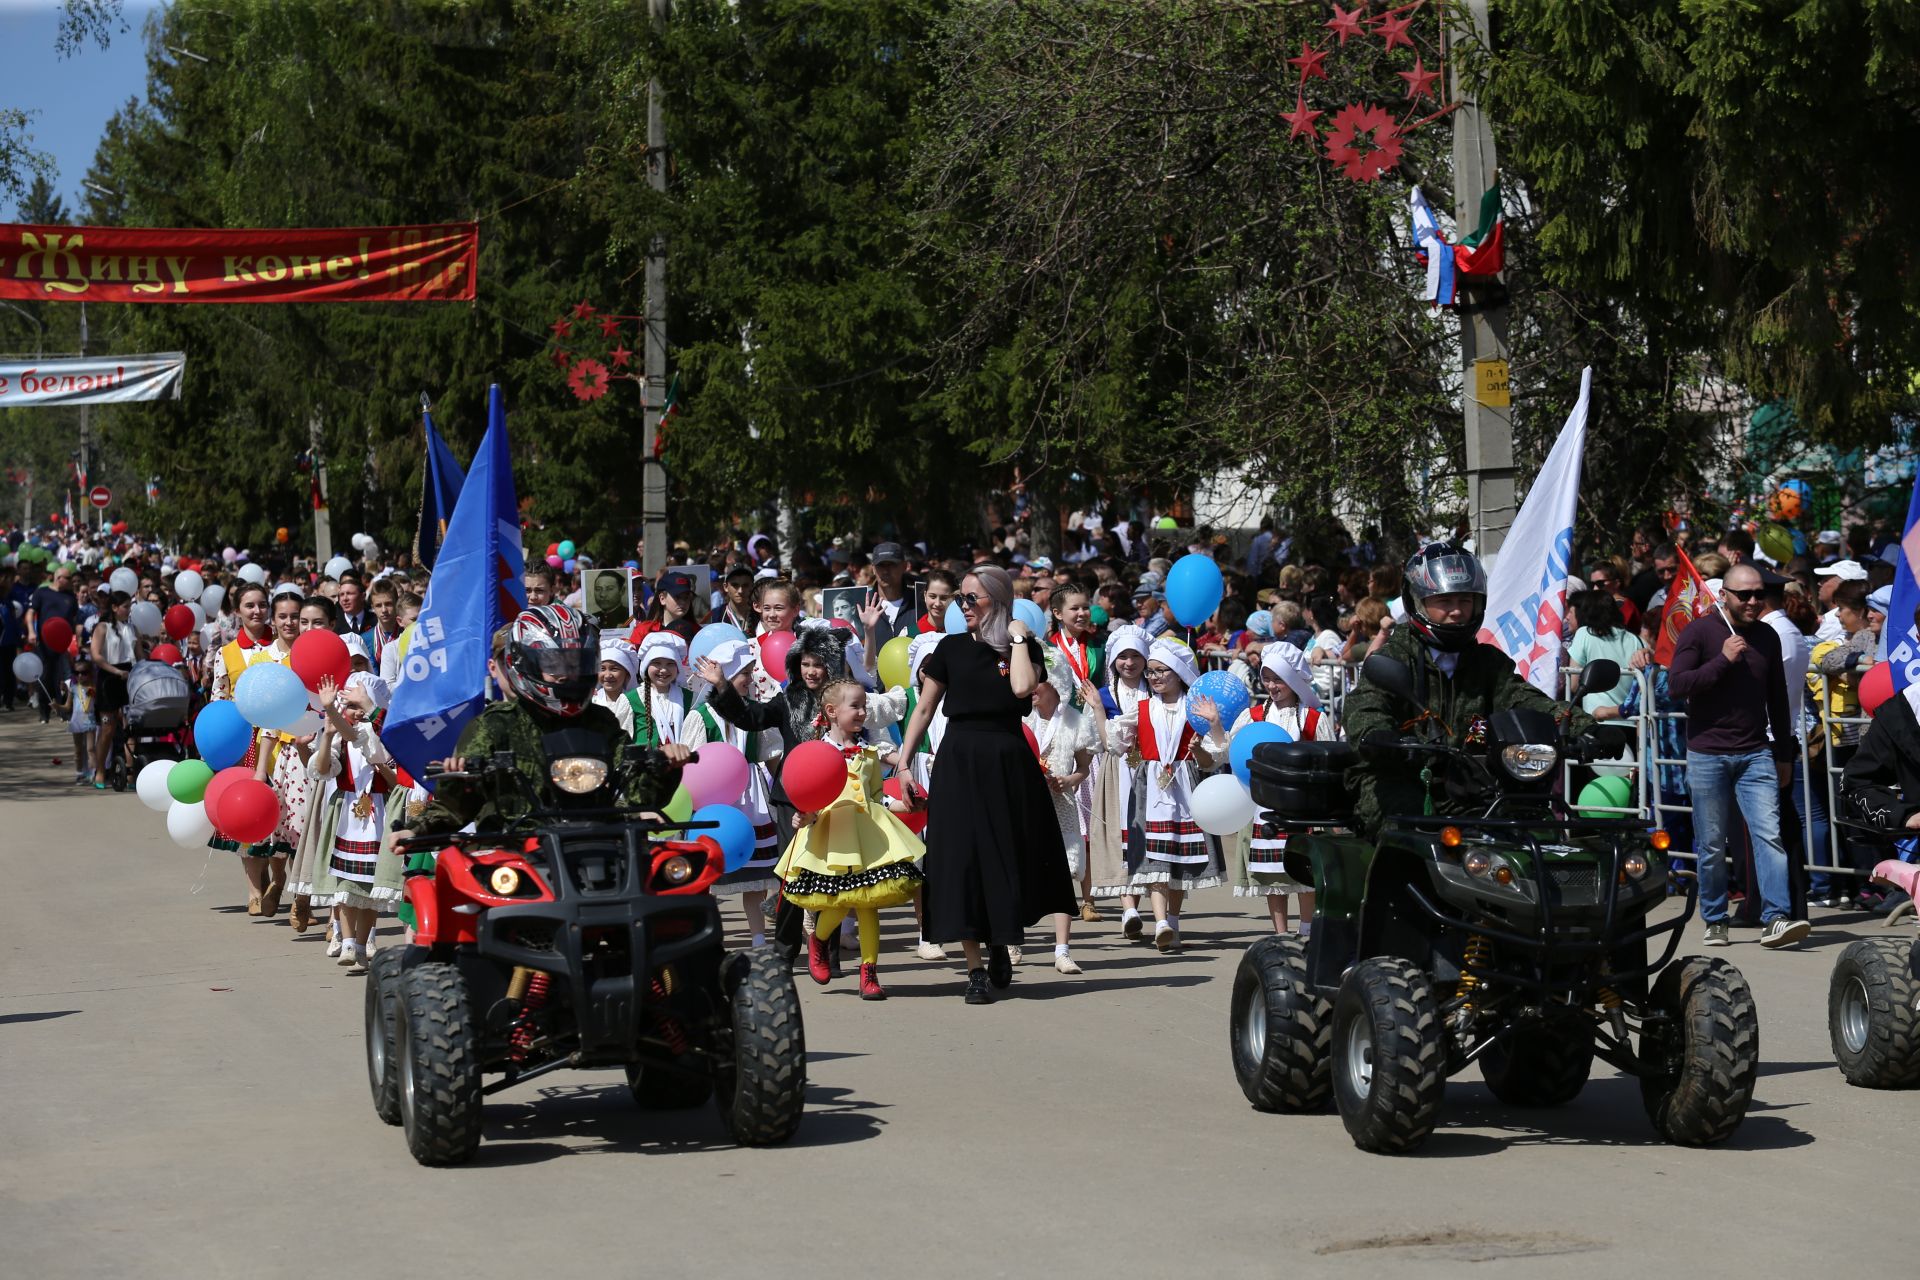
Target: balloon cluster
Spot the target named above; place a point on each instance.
(1223, 804)
(563, 555)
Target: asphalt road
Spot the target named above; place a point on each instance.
(186, 1096)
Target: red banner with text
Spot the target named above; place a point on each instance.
(146, 264)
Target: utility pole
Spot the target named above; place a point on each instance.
(1485, 396)
(653, 395)
(322, 530)
(84, 471)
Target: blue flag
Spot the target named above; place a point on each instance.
(475, 587)
(440, 489)
(1903, 639)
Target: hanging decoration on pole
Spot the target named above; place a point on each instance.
(1365, 139)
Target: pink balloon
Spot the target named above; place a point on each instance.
(1875, 687)
(719, 776)
(554, 561)
(773, 654)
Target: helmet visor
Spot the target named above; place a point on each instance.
(1447, 575)
(564, 670)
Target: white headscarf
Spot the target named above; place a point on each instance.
(1127, 638)
(621, 655)
(662, 644)
(732, 657)
(1286, 661)
(376, 688)
(1177, 658)
(918, 650)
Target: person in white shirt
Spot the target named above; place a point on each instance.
(1836, 573)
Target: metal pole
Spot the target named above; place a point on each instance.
(1485, 397)
(653, 484)
(86, 441)
(322, 530)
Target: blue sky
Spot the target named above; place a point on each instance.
(75, 96)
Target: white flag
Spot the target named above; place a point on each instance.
(1527, 592)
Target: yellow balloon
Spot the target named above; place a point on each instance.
(893, 664)
(680, 808)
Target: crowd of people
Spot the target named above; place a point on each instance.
(1077, 660)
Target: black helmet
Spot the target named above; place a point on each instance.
(553, 658)
(1444, 569)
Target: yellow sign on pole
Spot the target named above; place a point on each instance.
(1490, 384)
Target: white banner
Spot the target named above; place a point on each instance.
(1527, 591)
(91, 379)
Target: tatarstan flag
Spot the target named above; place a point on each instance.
(1687, 599)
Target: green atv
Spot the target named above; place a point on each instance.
(1517, 939)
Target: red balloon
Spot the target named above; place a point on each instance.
(217, 789)
(773, 654)
(178, 622)
(814, 774)
(119, 526)
(553, 548)
(164, 653)
(915, 822)
(249, 811)
(318, 654)
(1876, 687)
(56, 634)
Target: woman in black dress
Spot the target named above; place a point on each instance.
(995, 863)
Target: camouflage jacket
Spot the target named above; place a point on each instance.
(510, 726)
(1484, 682)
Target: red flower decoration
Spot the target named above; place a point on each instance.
(561, 327)
(1309, 62)
(583, 309)
(1300, 120)
(588, 380)
(1354, 125)
(1419, 80)
(609, 327)
(1392, 27)
(1346, 22)
(561, 357)
(620, 357)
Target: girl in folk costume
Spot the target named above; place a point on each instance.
(1074, 637)
(731, 662)
(268, 626)
(854, 855)
(660, 703)
(1065, 743)
(1168, 853)
(1111, 800)
(618, 665)
(1290, 701)
(355, 868)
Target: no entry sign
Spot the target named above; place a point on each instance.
(100, 495)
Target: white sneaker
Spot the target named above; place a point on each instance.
(1065, 964)
(333, 942)
(351, 955)
(1013, 955)
(930, 951)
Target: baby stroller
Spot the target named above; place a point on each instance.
(158, 700)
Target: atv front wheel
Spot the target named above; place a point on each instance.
(1387, 1056)
(439, 1066)
(658, 1089)
(1699, 1063)
(1279, 1028)
(383, 1030)
(1539, 1066)
(761, 1087)
(1871, 1016)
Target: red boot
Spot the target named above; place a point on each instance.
(870, 988)
(817, 966)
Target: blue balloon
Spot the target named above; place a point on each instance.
(734, 833)
(956, 621)
(568, 566)
(270, 696)
(709, 637)
(221, 735)
(1194, 587)
(1224, 689)
(1032, 614)
(1240, 750)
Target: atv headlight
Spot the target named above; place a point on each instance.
(1634, 865)
(1529, 761)
(504, 881)
(577, 775)
(676, 870)
(1477, 862)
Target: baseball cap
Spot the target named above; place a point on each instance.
(1845, 570)
(676, 583)
(1043, 563)
(1881, 601)
(888, 553)
(1827, 538)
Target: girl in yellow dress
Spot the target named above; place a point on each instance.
(854, 855)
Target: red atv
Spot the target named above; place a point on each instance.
(577, 938)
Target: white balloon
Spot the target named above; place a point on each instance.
(210, 599)
(308, 723)
(151, 786)
(1221, 806)
(189, 825)
(199, 614)
(360, 540)
(27, 668)
(253, 573)
(188, 585)
(147, 618)
(337, 566)
(124, 580)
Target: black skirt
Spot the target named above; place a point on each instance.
(995, 864)
(109, 693)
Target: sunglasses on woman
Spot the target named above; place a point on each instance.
(971, 599)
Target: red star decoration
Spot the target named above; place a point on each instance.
(1419, 80)
(609, 327)
(1392, 28)
(1300, 120)
(588, 380)
(561, 358)
(620, 357)
(1309, 62)
(1346, 22)
(561, 327)
(1351, 124)
(583, 309)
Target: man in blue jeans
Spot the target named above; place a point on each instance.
(1740, 750)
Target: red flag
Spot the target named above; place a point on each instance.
(1687, 599)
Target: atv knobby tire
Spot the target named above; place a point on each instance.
(1699, 1071)
(383, 1033)
(1387, 1057)
(1539, 1066)
(761, 1085)
(1279, 1028)
(439, 1066)
(658, 1089)
(1870, 1014)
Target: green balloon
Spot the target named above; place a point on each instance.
(680, 808)
(187, 781)
(1099, 616)
(1608, 791)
